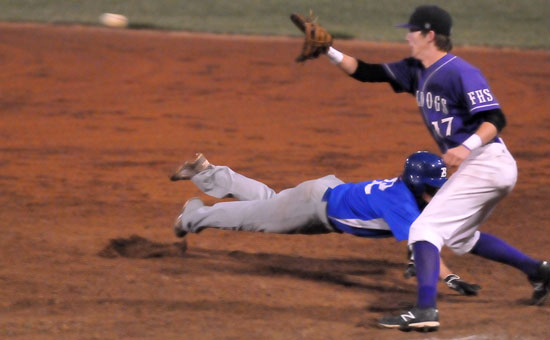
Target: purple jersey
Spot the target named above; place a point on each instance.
(449, 94)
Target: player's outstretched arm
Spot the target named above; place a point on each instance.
(444, 271)
(358, 69)
(346, 63)
(454, 281)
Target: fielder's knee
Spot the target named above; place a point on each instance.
(463, 245)
(416, 235)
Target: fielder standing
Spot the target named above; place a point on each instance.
(465, 118)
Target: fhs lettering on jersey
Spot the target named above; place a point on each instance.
(480, 96)
(430, 101)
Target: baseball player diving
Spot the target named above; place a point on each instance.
(464, 117)
(372, 209)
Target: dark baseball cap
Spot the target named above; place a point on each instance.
(430, 17)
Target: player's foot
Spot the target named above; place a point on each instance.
(541, 284)
(189, 206)
(191, 167)
(419, 319)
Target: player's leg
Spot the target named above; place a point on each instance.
(296, 210)
(492, 247)
(221, 182)
(443, 216)
(466, 200)
(282, 215)
(538, 272)
(424, 316)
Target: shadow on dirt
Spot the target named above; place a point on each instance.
(352, 273)
(347, 272)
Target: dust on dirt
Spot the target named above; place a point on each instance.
(138, 247)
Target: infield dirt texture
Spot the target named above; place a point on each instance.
(95, 120)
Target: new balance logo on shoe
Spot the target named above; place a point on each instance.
(407, 317)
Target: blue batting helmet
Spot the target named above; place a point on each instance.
(424, 170)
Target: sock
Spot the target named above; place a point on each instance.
(493, 248)
(426, 258)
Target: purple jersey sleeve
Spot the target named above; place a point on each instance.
(477, 94)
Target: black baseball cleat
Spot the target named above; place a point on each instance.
(541, 284)
(190, 168)
(418, 319)
(191, 205)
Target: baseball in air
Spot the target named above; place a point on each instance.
(113, 20)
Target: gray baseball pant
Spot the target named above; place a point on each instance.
(298, 210)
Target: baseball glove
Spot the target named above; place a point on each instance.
(317, 38)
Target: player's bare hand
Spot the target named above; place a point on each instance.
(455, 156)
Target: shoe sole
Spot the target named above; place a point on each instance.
(180, 233)
(388, 326)
(178, 176)
(428, 326)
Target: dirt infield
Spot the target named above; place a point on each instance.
(95, 120)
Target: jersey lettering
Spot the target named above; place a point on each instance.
(480, 96)
(448, 129)
(436, 128)
(430, 101)
(419, 98)
(382, 185)
(488, 94)
(449, 122)
(444, 106)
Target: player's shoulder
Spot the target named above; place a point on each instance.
(402, 188)
(390, 186)
(409, 63)
(461, 65)
(395, 195)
